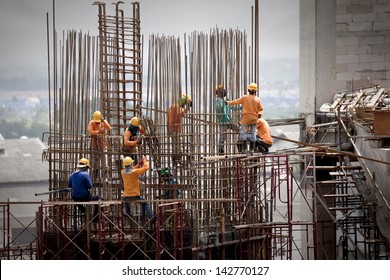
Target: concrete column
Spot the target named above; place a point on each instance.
(317, 86)
(317, 55)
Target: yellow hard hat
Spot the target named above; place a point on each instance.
(84, 161)
(135, 121)
(127, 161)
(97, 116)
(252, 87)
(185, 98)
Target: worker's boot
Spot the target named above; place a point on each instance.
(252, 146)
(239, 146)
(244, 148)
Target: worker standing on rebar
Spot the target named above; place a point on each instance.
(131, 187)
(97, 129)
(224, 117)
(251, 106)
(132, 138)
(175, 120)
(81, 185)
(263, 138)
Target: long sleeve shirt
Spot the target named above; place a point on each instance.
(80, 183)
(263, 131)
(223, 111)
(131, 182)
(251, 106)
(175, 117)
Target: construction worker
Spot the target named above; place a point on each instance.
(80, 184)
(97, 129)
(131, 138)
(263, 138)
(131, 187)
(170, 182)
(224, 117)
(251, 105)
(175, 120)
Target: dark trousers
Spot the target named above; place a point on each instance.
(91, 197)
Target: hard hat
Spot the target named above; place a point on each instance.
(97, 116)
(185, 98)
(135, 121)
(220, 91)
(83, 162)
(252, 87)
(127, 161)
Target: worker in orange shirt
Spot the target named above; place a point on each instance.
(175, 120)
(131, 188)
(132, 138)
(97, 129)
(251, 106)
(263, 138)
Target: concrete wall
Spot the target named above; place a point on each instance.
(317, 54)
(363, 43)
(381, 175)
(342, 42)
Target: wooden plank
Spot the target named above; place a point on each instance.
(358, 97)
(334, 173)
(332, 182)
(375, 99)
(337, 102)
(341, 195)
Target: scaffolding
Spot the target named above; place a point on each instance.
(302, 203)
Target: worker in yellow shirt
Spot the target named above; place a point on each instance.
(251, 106)
(131, 188)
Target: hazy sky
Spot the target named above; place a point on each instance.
(23, 47)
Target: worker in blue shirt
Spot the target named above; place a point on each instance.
(80, 183)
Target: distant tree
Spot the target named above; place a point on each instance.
(19, 128)
(37, 129)
(12, 129)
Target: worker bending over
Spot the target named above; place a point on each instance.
(263, 138)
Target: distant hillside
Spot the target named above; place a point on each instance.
(36, 79)
(24, 79)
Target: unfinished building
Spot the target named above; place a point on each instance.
(318, 200)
